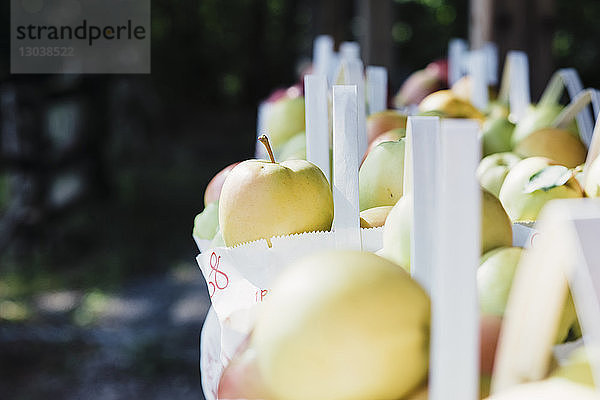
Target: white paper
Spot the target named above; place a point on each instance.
(519, 94)
(478, 72)
(346, 221)
(454, 367)
(377, 83)
(317, 122)
(491, 55)
(211, 366)
(349, 51)
(579, 108)
(424, 166)
(584, 119)
(567, 249)
(354, 74)
(322, 54)
(457, 51)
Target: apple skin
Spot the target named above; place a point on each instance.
(495, 277)
(389, 136)
(492, 170)
(213, 189)
(558, 145)
(206, 224)
(496, 229)
(262, 199)
(343, 325)
(536, 118)
(294, 148)
(381, 177)
(384, 121)
(577, 367)
(592, 180)
(374, 217)
(547, 389)
(284, 118)
(496, 136)
(525, 207)
(449, 105)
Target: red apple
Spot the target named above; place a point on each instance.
(384, 121)
(213, 189)
(489, 329)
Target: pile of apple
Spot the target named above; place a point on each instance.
(353, 325)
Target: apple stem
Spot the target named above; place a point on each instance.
(265, 141)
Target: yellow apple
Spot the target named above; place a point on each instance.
(496, 229)
(284, 118)
(558, 145)
(576, 367)
(261, 199)
(539, 117)
(381, 176)
(533, 182)
(449, 105)
(343, 325)
(548, 389)
(374, 217)
(492, 170)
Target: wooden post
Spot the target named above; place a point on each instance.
(480, 30)
(374, 33)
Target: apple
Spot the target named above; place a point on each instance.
(416, 87)
(284, 118)
(213, 189)
(533, 182)
(536, 118)
(494, 279)
(449, 105)
(262, 199)
(343, 325)
(206, 224)
(558, 145)
(388, 136)
(463, 87)
(374, 217)
(383, 121)
(492, 170)
(294, 148)
(380, 177)
(496, 135)
(547, 389)
(496, 229)
(592, 179)
(576, 367)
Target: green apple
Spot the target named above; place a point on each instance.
(261, 199)
(496, 229)
(576, 367)
(533, 182)
(381, 176)
(343, 325)
(294, 148)
(494, 279)
(374, 217)
(492, 170)
(388, 136)
(206, 224)
(592, 179)
(284, 118)
(536, 118)
(496, 135)
(558, 145)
